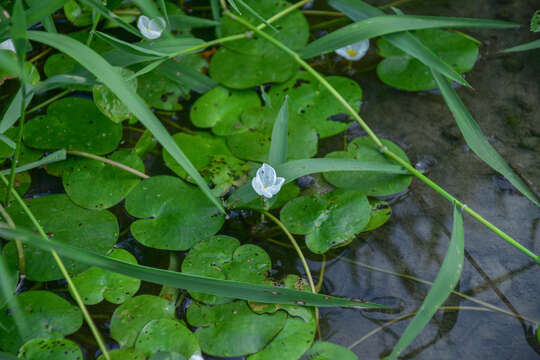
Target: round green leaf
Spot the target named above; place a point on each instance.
(73, 124)
(95, 284)
(77, 14)
(380, 214)
(220, 109)
(132, 316)
(405, 72)
(255, 143)
(322, 350)
(168, 355)
(312, 102)
(212, 158)
(328, 220)
(175, 215)
(45, 314)
(233, 329)
(92, 231)
(222, 257)
(124, 354)
(372, 183)
(109, 104)
(95, 185)
(27, 155)
(167, 335)
(57, 64)
(50, 349)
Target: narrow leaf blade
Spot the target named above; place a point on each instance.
(278, 146)
(535, 44)
(56, 156)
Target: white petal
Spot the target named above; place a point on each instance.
(274, 189)
(257, 185)
(157, 24)
(151, 34)
(7, 45)
(142, 23)
(196, 357)
(267, 174)
(354, 51)
(267, 192)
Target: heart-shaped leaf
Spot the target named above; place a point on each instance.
(322, 350)
(314, 103)
(95, 185)
(50, 349)
(89, 230)
(45, 315)
(328, 220)
(233, 329)
(73, 124)
(380, 214)
(222, 257)
(371, 183)
(96, 284)
(167, 335)
(402, 71)
(124, 354)
(175, 215)
(78, 14)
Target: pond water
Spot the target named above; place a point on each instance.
(504, 101)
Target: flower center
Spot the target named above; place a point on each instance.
(351, 52)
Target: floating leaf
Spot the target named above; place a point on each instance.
(96, 185)
(222, 257)
(124, 354)
(312, 102)
(45, 315)
(371, 183)
(233, 329)
(96, 284)
(212, 158)
(109, 104)
(167, 335)
(322, 350)
(328, 220)
(380, 214)
(402, 71)
(73, 124)
(21, 184)
(253, 61)
(132, 316)
(255, 143)
(89, 230)
(221, 108)
(79, 15)
(288, 192)
(50, 349)
(175, 215)
(11, 278)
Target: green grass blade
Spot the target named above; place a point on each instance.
(234, 6)
(216, 15)
(62, 80)
(186, 21)
(190, 77)
(126, 46)
(255, 14)
(148, 8)
(445, 282)
(294, 169)
(278, 146)
(234, 289)
(105, 12)
(476, 140)
(387, 24)
(56, 156)
(105, 73)
(35, 14)
(535, 44)
(7, 141)
(13, 111)
(18, 32)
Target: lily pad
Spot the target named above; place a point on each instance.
(328, 220)
(405, 72)
(78, 14)
(91, 231)
(109, 104)
(26, 155)
(167, 335)
(374, 184)
(96, 284)
(124, 354)
(255, 143)
(168, 355)
(45, 314)
(221, 110)
(50, 349)
(212, 158)
(380, 214)
(95, 185)
(132, 316)
(322, 350)
(21, 184)
(312, 101)
(73, 124)
(175, 215)
(222, 257)
(253, 61)
(233, 329)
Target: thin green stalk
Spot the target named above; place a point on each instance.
(63, 270)
(93, 30)
(321, 274)
(110, 162)
(48, 101)
(378, 142)
(18, 243)
(19, 140)
(167, 292)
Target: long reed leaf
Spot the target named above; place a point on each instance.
(56, 156)
(185, 75)
(535, 44)
(445, 282)
(278, 146)
(112, 79)
(232, 289)
(35, 13)
(105, 12)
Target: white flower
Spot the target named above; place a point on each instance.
(7, 45)
(266, 183)
(196, 356)
(354, 51)
(151, 29)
